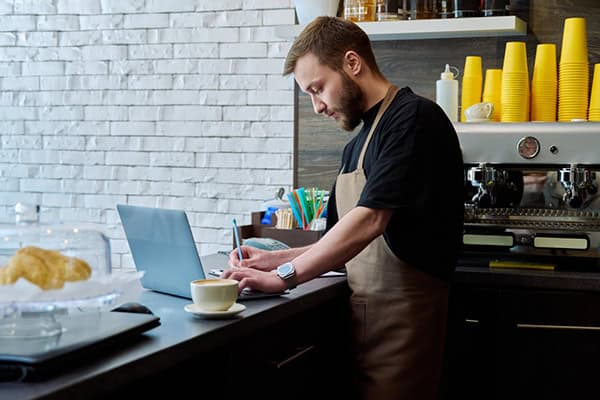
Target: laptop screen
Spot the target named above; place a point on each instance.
(162, 245)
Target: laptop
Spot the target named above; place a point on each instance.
(162, 245)
(82, 337)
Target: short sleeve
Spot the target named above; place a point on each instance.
(389, 165)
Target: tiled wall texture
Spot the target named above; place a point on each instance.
(175, 104)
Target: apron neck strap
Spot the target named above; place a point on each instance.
(387, 100)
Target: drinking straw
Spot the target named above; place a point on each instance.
(294, 207)
(318, 206)
(300, 210)
(314, 197)
(322, 208)
(302, 197)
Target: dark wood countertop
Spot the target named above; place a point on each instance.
(180, 337)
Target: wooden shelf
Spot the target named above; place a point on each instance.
(430, 28)
(291, 237)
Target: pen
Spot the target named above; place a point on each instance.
(237, 239)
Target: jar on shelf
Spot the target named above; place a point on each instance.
(491, 8)
(466, 8)
(387, 10)
(420, 9)
(444, 9)
(360, 10)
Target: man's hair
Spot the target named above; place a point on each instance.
(329, 38)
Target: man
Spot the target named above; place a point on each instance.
(394, 216)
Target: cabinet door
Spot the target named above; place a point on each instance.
(552, 346)
(304, 357)
(470, 367)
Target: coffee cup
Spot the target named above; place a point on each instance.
(214, 294)
(479, 111)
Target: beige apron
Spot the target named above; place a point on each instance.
(398, 312)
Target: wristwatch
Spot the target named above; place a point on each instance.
(288, 274)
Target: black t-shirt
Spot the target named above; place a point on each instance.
(413, 165)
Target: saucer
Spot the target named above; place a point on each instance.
(479, 120)
(236, 308)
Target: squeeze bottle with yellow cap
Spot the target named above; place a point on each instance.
(446, 94)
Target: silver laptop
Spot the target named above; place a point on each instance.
(162, 245)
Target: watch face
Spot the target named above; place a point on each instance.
(285, 269)
(288, 274)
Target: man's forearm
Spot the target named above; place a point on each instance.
(291, 253)
(345, 240)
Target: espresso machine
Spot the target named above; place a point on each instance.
(532, 193)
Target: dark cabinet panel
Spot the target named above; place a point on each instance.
(472, 327)
(507, 343)
(305, 356)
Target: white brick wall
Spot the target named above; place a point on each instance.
(176, 104)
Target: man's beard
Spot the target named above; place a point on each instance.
(351, 104)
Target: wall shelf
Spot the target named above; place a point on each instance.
(430, 28)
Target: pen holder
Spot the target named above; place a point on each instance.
(291, 237)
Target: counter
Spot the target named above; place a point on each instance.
(184, 349)
(298, 341)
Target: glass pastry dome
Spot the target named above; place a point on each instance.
(46, 268)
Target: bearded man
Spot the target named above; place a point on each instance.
(394, 216)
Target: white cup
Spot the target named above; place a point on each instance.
(479, 111)
(307, 10)
(214, 294)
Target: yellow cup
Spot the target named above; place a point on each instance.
(492, 91)
(493, 83)
(595, 96)
(472, 82)
(573, 87)
(574, 41)
(470, 94)
(515, 58)
(472, 66)
(544, 67)
(515, 100)
(543, 101)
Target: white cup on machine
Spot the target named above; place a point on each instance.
(479, 112)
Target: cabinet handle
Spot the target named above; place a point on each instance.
(472, 321)
(293, 357)
(561, 327)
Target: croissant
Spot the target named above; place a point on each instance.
(48, 269)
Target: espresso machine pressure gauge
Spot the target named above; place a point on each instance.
(528, 147)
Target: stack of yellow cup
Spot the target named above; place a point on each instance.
(594, 114)
(573, 78)
(471, 84)
(515, 84)
(544, 84)
(492, 89)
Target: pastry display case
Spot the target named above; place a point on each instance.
(46, 269)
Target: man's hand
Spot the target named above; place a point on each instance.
(262, 260)
(252, 278)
